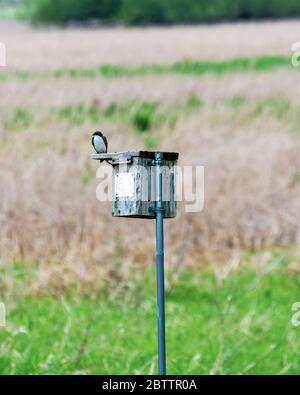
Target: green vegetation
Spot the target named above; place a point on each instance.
(145, 116)
(187, 67)
(280, 108)
(194, 67)
(21, 118)
(142, 116)
(143, 12)
(261, 63)
(240, 323)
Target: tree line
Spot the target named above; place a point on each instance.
(159, 12)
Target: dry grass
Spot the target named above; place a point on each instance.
(166, 88)
(75, 47)
(49, 215)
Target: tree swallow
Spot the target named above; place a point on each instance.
(99, 142)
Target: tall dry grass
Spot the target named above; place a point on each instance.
(76, 47)
(50, 216)
(42, 94)
(50, 219)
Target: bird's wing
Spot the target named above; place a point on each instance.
(105, 141)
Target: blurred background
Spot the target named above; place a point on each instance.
(212, 80)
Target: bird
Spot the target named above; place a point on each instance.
(99, 142)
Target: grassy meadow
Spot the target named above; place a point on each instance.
(218, 322)
(79, 286)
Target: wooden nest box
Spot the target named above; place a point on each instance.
(134, 186)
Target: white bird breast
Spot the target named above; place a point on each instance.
(99, 144)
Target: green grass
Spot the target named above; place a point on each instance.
(141, 115)
(187, 67)
(241, 324)
(144, 117)
(22, 118)
(147, 118)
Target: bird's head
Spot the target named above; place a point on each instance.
(98, 133)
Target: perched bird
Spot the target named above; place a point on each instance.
(99, 142)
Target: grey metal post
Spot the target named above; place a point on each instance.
(159, 211)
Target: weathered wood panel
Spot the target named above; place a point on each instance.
(134, 183)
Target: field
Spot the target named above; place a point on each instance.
(225, 96)
(234, 322)
(78, 47)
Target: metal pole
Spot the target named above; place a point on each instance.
(159, 210)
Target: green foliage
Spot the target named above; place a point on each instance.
(142, 116)
(260, 63)
(63, 11)
(236, 102)
(191, 67)
(144, 12)
(21, 118)
(195, 11)
(193, 103)
(78, 114)
(278, 106)
(240, 324)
